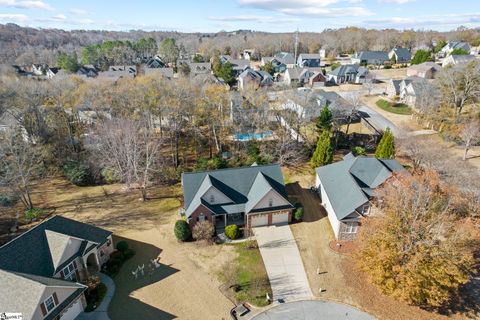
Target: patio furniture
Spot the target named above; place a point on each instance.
(135, 273)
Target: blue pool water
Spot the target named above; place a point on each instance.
(252, 136)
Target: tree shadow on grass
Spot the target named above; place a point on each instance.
(124, 305)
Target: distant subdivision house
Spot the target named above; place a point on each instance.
(118, 72)
(377, 58)
(248, 197)
(452, 45)
(256, 78)
(426, 70)
(457, 59)
(346, 189)
(41, 270)
(309, 60)
(350, 73)
(401, 55)
(312, 77)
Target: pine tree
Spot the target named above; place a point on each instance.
(324, 121)
(386, 147)
(323, 153)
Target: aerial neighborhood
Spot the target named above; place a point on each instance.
(238, 174)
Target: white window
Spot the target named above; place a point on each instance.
(201, 218)
(352, 227)
(49, 304)
(212, 198)
(270, 202)
(69, 272)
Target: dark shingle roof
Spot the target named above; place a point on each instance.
(241, 185)
(403, 54)
(350, 183)
(30, 252)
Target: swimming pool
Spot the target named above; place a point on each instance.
(252, 136)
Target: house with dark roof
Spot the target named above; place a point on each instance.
(41, 270)
(278, 66)
(304, 76)
(401, 55)
(349, 73)
(118, 72)
(457, 59)
(286, 58)
(309, 60)
(378, 58)
(247, 196)
(346, 189)
(87, 71)
(257, 78)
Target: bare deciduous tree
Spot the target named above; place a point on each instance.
(20, 163)
(470, 135)
(131, 149)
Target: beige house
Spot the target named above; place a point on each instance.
(42, 269)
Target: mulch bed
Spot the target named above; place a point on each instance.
(343, 247)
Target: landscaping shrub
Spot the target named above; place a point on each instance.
(210, 164)
(203, 231)
(298, 214)
(122, 246)
(182, 230)
(108, 175)
(117, 258)
(33, 213)
(359, 151)
(232, 232)
(79, 174)
(95, 296)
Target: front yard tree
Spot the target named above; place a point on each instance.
(421, 56)
(324, 122)
(386, 147)
(323, 153)
(419, 249)
(20, 163)
(226, 73)
(470, 136)
(460, 85)
(131, 149)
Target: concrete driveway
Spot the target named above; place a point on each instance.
(283, 263)
(313, 310)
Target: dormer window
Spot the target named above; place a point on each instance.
(212, 198)
(270, 202)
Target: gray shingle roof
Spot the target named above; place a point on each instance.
(344, 69)
(403, 54)
(350, 183)
(241, 185)
(22, 292)
(30, 252)
(372, 55)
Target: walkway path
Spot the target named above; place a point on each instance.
(101, 312)
(283, 263)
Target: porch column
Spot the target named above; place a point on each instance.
(225, 219)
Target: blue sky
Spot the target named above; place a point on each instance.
(261, 15)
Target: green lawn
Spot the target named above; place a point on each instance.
(397, 108)
(252, 278)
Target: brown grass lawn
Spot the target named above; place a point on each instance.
(338, 274)
(186, 285)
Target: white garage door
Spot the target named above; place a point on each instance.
(73, 311)
(259, 220)
(279, 218)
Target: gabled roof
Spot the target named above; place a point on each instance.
(285, 57)
(304, 56)
(344, 69)
(425, 66)
(403, 54)
(22, 292)
(30, 252)
(372, 55)
(350, 183)
(241, 185)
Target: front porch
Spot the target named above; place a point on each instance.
(223, 220)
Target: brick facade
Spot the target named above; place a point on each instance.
(198, 212)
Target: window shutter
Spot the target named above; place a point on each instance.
(74, 264)
(55, 298)
(44, 310)
(62, 274)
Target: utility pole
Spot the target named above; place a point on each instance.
(296, 45)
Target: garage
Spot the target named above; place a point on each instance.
(279, 217)
(259, 220)
(73, 311)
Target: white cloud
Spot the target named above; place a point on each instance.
(396, 1)
(13, 17)
(25, 4)
(253, 18)
(314, 8)
(77, 11)
(59, 17)
(433, 21)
